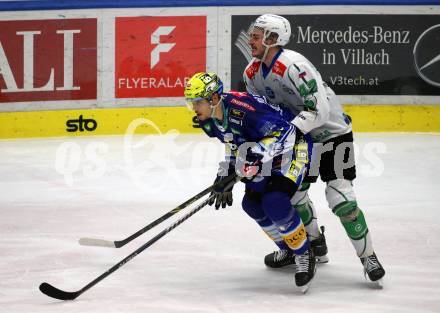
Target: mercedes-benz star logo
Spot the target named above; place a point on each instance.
(427, 55)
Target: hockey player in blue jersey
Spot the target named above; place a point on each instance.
(262, 147)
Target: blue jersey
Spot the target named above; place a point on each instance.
(250, 118)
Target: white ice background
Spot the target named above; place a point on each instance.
(55, 191)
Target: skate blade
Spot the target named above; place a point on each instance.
(303, 289)
(322, 259)
(378, 284)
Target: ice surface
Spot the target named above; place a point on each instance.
(55, 191)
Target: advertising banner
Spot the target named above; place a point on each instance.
(156, 55)
(359, 54)
(44, 60)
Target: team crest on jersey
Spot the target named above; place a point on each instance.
(237, 114)
(279, 68)
(253, 69)
(269, 92)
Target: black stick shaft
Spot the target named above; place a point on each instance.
(120, 243)
(64, 295)
(123, 242)
(145, 246)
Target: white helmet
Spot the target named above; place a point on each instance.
(271, 23)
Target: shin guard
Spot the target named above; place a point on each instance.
(342, 201)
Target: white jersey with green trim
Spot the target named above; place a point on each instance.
(293, 82)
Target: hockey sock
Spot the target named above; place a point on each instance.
(295, 236)
(277, 207)
(255, 211)
(342, 200)
(306, 210)
(272, 231)
(353, 220)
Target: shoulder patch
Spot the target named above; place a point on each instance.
(279, 68)
(253, 69)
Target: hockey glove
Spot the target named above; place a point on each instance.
(249, 166)
(222, 192)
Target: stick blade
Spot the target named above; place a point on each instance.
(56, 293)
(97, 242)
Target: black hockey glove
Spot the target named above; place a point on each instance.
(222, 192)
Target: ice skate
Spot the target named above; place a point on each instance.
(305, 270)
(319, 247)
(373, 271)
(279, 258)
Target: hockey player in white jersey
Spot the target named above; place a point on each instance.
(288, 79)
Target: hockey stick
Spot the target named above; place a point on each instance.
(242, 44)
(56, 293)
(123, 242)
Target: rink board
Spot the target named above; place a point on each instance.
(67, 72)
(159, 120)
(95, 122)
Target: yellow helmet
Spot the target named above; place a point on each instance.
(202, 86)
